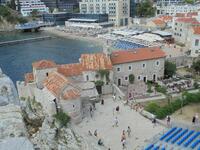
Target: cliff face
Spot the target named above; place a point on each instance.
(6, 26)
(13, 131)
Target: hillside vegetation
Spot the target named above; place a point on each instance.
(8, 18)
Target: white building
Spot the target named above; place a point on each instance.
(174, 9)
(144, 63)
(181, 27)
(193, 41)
(27, 6)
(117, 10)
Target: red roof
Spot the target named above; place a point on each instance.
(140, 54)
(70, 69)
(196, 30)
(60, 86)
(98, 61)
(43, 64)
(29, 77)
(191, 14)
(187, 20)
(166, 18)
(158, 22)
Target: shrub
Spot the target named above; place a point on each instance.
(162, 112)
(62, 118)
(152, 107)
(196, 85)
(161, 89)
(99, 83)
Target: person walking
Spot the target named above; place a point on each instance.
(115, 122)
(102, 101)
(168, 121)
(114, 97)
(95, 133)
(129, 131)
(124, 144)
(154, 122)
(123, 136)
(117, 109)
(91, 111)
(193, 120)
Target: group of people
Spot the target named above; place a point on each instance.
(123, 137)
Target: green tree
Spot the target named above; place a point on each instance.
(62, 118)
(196, 66)
(189, 1)
(145, 9)
(131, 78)
(34, 13)
(170, 69)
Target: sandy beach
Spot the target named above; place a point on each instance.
(103, 120)
(55, 31)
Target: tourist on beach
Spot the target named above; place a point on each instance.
(193, 120)
(168, 121)
(129, 131)
(95, 133)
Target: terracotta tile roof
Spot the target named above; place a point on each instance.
(180, 14)
(29, 77)
(140, 54)
(187, 20)
(166, 18)
(158, 22)
(196, 30)
(70, 69)
(191, 14)
(42, 64)
(60, 86)
(96, 61)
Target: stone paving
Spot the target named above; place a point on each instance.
(103, 120)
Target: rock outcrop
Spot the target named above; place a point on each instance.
(51, 136)
(8, 92)
(12, 128)
(13, 133)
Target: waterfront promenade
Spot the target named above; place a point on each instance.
(25, 40)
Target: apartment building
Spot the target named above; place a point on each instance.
(193, 41)
(181, 27)
(118, 10)
(26, 7)
(173, 9)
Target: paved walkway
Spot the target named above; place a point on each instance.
(142, 128)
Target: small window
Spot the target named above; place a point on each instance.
(126, 78)
(143, 65)
(196, 42)
(157, 63)
(129, 67)
(118, 69)
(87, 77)
(47, 74)
(139, 77)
